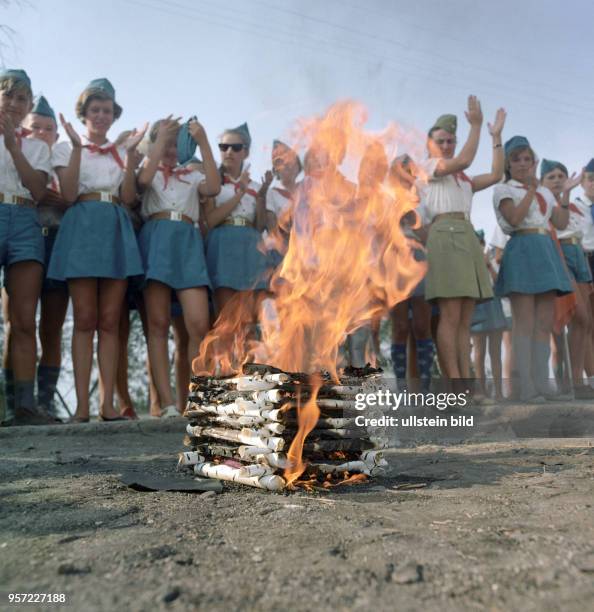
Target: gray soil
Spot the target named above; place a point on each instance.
(505, 525)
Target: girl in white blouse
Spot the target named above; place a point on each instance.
(457, 275)
(171, 245)
(96, 249)
(532, 271)
(236, 219)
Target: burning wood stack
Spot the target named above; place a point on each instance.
(244, 428)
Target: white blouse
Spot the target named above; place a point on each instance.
(444, 194)
(499, 239)
(180, 195)
(98, 171)
(36, 152)
(579, 216)
(585, 205)
(247, 205)
(277, 202)
(515, 191)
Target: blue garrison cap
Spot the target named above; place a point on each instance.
(16, 75)
(244, 132)
(104, 85)
(589, 166)
(548, 165)
(515, 142)
(186, 145)
(41, 107)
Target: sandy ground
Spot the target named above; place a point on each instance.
(506, 525)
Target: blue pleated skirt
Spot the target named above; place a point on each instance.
(577, 264)
(173, 254)
(532, 264)
(233, 258)
(95, 240)
(488, 316)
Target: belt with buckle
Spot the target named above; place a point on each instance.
(98, 196)
(238, 221)
(8, 198)
(531, 230)
(171, 215)
(450, 215)
(572, 240)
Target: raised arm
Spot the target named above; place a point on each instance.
(482, 181)
(167, 130)
(261, 216)
(513, 214)
(212, 179)
(34, 180)
(68, 175)
(466, 156)
(560, 215)
(128, 189)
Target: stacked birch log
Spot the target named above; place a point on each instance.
(240, 428)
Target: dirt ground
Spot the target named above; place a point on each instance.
(483, 526)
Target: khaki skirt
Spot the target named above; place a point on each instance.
(456, 266)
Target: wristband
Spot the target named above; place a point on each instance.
(497, 146)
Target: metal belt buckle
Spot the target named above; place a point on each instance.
(105, 196)
(45, 231)
(175, 215)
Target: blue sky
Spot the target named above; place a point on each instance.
(268, 62)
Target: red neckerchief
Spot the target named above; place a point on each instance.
(21, 133)
(461, 176)
(93, 148)
(228, 181)
(575, 209)
(177, 173)
(542, 203)
(284, 192)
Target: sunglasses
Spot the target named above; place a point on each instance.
(237, 147)
(440, 141)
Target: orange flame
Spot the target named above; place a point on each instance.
(307, 418)
(346, 259)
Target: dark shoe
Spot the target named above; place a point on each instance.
(116, 418)
(32, 416)
(583, 392)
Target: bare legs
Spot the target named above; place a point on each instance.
(453, 336)
(96, 305)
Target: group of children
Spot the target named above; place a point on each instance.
(142, 220)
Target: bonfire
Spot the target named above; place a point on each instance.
(345, 262)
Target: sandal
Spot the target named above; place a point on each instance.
(109, 420)
(73, 420)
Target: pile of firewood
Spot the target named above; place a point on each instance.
(240, 428)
